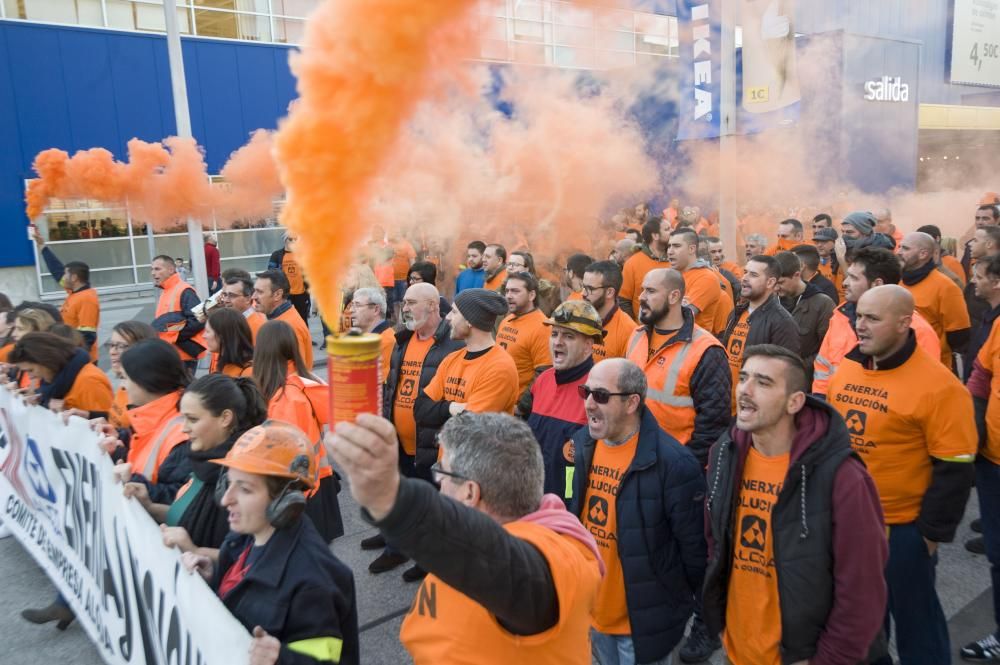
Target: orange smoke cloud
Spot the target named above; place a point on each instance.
(251, 176)
(361, 72)
(50, 165)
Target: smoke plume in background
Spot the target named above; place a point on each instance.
(252, 182)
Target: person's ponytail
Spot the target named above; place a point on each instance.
(255, 410)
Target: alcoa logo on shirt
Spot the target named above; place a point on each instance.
(887, 89)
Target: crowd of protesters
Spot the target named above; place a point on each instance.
(648, 452)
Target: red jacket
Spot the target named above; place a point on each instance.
(213, 265)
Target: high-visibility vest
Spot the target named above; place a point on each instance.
(170, 303)
(157, 429)
(668, 377)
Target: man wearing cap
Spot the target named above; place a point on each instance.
(481, 377)
(858, 230)
(829, 266)
(686, 367)
(555, 409)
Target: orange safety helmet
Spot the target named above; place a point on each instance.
(274, 448)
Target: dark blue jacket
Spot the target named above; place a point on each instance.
(296, 590)
(661, 540)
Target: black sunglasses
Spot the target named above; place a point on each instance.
(438, 471)
(600, 395)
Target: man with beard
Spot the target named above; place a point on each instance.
(810, 308)
(685, 365)
(913, 424)
(495, 265)
(985, 244)
(819, 597)
(937, 298)
(420, 348)
(622, 250)
(641, 494)
(555, 411)
(523, 333)
(601, 282)
(759, 317)
(756, 244)
(473, 276)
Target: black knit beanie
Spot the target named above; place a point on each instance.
(481, 307)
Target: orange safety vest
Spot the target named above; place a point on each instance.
(304, 403)
(156, 430)
(668, 374)
(840, 339)
(446, 626)
(169, 303)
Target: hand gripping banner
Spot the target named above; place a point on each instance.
(103, 552)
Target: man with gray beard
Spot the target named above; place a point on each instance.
(421, 345)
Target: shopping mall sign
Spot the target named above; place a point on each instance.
(699, 32)
(975, 42)
(887, 89)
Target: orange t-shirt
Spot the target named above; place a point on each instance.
(619, 330)
(406, 392)
(118, 415)
(91, 391)
(5, 351)
(955, 266)
(734, 349)
(600, 517)
(292, 318)
(753, 613)
(82, 311)
(940, 301)
(633, 272)
(496, 283)
(736, 270)
(826, 269)
(702, 290)
(296, 282)
(526, 339)
(782, 245)
(402, 259)
(724, 308)
(901, 418)
(485, 382)
(446, 626)
(256, 320)
(384, 274)
(989, 358)
(387, 344)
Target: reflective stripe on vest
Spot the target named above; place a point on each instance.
(827, 366)
(154, 450)
(667, 395)
(323, 649)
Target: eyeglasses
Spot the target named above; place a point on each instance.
(591, 289)
(600, 395)
(438, 471)
(118, 346)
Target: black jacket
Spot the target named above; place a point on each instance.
(296, 590)
(827, 535)
(661, 540)
(442, 346)
(811, 311)
(981, 316)
(826, 287)
(769, 324)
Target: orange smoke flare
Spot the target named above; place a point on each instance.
(363, 68)
(50, 165)
(252, 176)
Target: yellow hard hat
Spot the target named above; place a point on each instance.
(579, 316)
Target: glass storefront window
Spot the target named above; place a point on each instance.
(230, 25)
(295, 8)
(73, 12)
(144, 16)
(118, 247)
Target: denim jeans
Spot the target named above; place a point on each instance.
(616, 649)
(988, 490)
(921, 627)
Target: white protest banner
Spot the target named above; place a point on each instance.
(103, 552)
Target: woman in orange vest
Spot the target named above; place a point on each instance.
(297, 397)
(123, 336)
(217, 410)
(229, 338)
(154, 378)
(64, 375)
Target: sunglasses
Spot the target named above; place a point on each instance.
(600, 395)
(440, 474)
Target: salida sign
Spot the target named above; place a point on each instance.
(887, 89)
